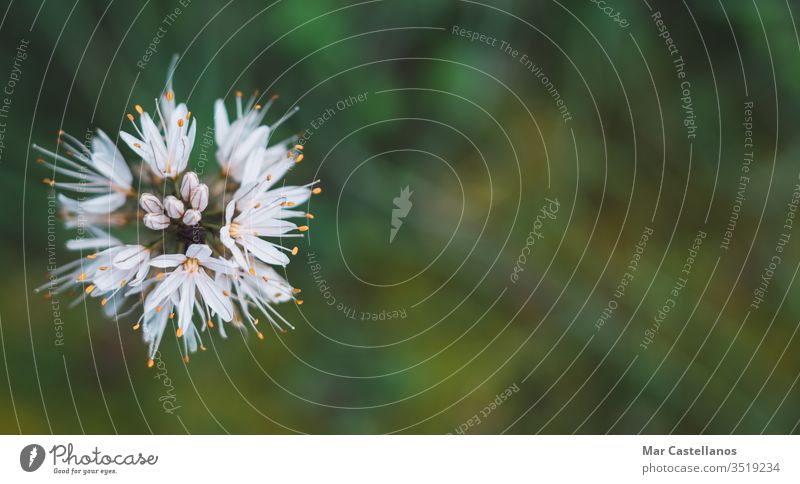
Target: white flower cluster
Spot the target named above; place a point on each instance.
(206, 255)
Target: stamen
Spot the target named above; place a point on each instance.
(179, 333)
(299, 158)
(295, 250)
(309, 216)
(90, 289)
(302, 228)
(170, 95)
(317, 190)
(139, 109)
(136, 326)
(260, 335)
(150, 362)
(210, 324)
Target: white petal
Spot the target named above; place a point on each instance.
(130, 257)
(103, 204)
(154, 141)
(168, 260)
(213, 296)
(90, 243)
(229, 211)
(109, 161)
(227, 241)
(264, 250)
(163, 290)
(132, 142)
(186, 303)
(221, 123)
(199, 251)
(220, 266)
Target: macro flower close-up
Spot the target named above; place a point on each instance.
(200, 254)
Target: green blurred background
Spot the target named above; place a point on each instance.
(479, 139)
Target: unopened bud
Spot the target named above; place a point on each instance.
(173, 207)
(156, 221)
(150, 203)
(199, 197)
(189, 183)
(192, 217)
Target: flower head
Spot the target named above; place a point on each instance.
(191, 270)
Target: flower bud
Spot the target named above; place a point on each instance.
(199, 197)
(189, 183)
(192, 217)
(156, 221)
(173, 207)
(150, 203)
